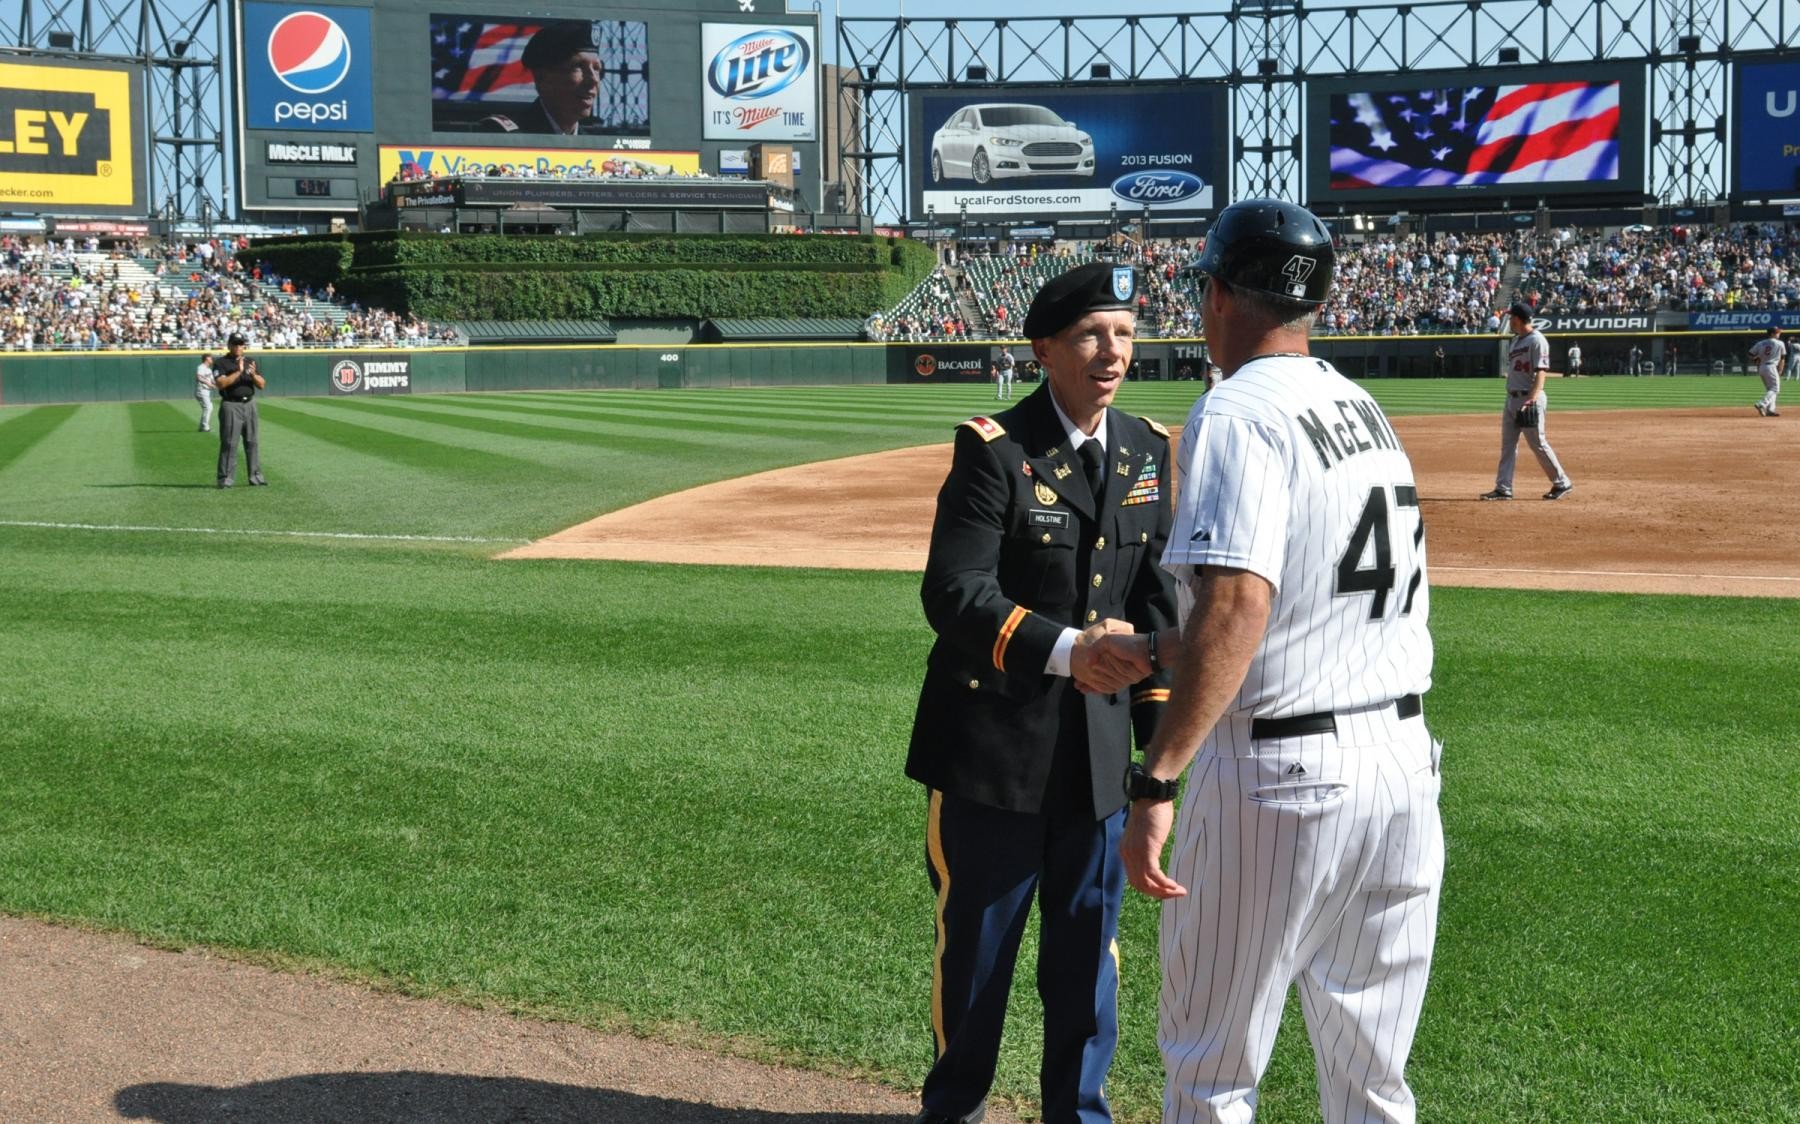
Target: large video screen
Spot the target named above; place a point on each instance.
(582, 77)
(1765, 126)
(1028, 152)
(1528, 134)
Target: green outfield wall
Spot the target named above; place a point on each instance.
(133, 376)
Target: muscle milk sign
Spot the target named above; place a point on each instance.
(760, 82)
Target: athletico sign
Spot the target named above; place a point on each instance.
(66, 138)
(1743, 321)
(372, 374)
(307, 68)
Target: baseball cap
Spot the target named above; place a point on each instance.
(236, 338)
(1522, 310)
(1067, 297)
(555, 42)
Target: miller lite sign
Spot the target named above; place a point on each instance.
(761, 82)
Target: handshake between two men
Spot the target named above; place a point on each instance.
(1109, 656)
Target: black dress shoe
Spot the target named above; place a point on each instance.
(930, 1117)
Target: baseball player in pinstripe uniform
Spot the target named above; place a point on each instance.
(1309, 848)
(1527, 363)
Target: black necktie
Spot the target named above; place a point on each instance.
(1093, 458)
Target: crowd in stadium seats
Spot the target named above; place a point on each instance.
(1415, 285)
(929, 312)
(1680, 269)
(60, 294)
(1385, 286)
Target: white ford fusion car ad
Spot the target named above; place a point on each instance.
(985, 143)
(1012, 150)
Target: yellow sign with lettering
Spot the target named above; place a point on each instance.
(459, 160)
(66, 138)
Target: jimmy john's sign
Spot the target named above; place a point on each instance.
(70, 139)
(389, 373)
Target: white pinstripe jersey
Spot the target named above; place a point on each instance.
(1291, 471)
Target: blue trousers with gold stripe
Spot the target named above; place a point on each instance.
(985, 866)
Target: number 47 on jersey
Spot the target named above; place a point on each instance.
(1374, 536)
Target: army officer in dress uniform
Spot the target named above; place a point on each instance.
(1051, 524)
(565, 67)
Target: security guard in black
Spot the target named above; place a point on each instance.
(1053, 518)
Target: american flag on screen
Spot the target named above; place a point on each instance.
(1542, 132)
(479, 61)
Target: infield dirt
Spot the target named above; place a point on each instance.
(1698, 501)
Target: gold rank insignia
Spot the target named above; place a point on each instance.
(1122, 468)
(1045, 494)
(1063, 472)
(1156, 427)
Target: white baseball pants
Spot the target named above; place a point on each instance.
(1318, 860)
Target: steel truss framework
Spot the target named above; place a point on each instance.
(1266, 50)
(180, 45)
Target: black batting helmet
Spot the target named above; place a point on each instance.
(1270, 247)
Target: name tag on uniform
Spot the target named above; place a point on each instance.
(1042, 518)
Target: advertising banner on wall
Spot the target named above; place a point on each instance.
(380, 373)
(1028, 152)
(761, 83)
(1747, 321)
(456, 160)
(307, 68)
(539, 77)
(69, 139)
(1765, 125)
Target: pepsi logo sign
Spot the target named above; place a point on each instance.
(309, 52)
(759, 64)
(1158, 187)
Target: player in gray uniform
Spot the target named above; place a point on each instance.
(1793, 359)
(1527, 362)
(1007, 365)
(1768, 353)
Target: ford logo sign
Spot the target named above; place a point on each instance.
(759, 64)
(1157, 187)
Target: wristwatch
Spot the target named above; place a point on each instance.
(1140, 785)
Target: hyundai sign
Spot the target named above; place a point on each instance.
(1029, 153)
(307, 68)
(761, 83)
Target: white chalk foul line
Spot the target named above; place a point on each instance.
(1613, 573)
(237, 531)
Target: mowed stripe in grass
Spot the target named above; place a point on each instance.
(670, 798)
(22, 431)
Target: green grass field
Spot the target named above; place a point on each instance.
(669, 798)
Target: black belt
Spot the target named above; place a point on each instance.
(1325, 722)
(1518, 393)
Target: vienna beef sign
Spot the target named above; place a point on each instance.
(761, 82)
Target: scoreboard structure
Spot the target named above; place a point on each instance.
(336, 99)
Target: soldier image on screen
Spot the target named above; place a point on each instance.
(565, 66)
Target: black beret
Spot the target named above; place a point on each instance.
(1522, 310)
(555, 42)
(1096, 287)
